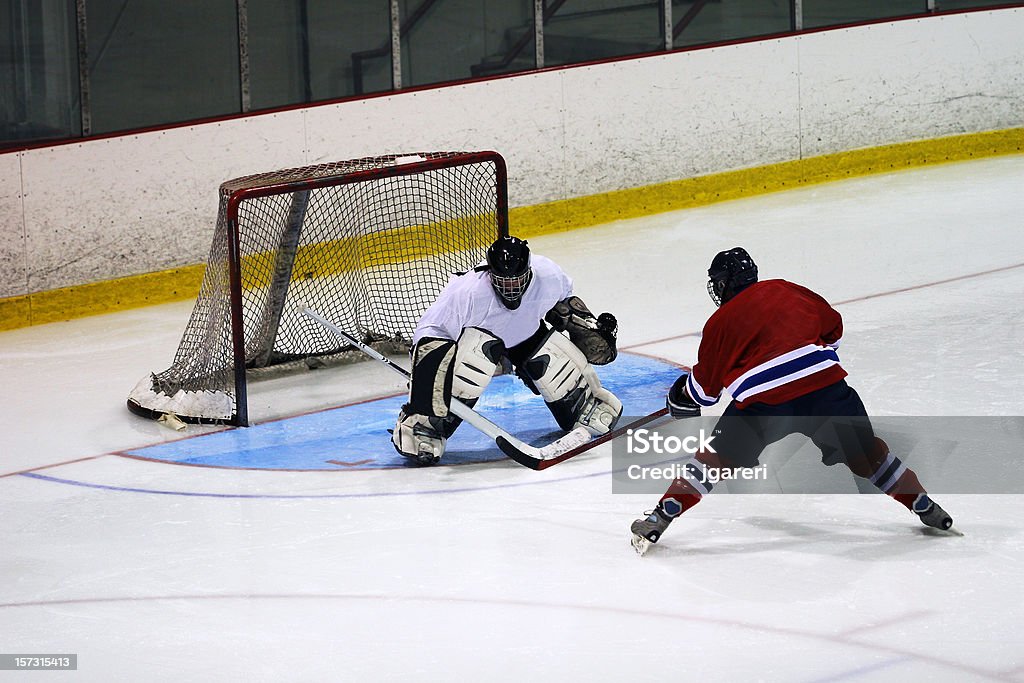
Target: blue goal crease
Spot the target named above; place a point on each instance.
(355, 437)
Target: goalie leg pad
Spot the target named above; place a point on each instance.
(430, 391)
(476, 359)
(419, 437)
(570, 387)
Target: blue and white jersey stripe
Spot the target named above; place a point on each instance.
(773, 373)
(697, 393)
(783, 369)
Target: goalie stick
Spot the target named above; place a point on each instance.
(543, 463)
(515, 449)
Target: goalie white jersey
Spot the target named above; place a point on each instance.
(469, 300)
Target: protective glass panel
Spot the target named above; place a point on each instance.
(961, 4)
(38, 71)
(317, 50)
(585, 30)
(153, 62)
(698, 22)
(831, 12)
(449, 40)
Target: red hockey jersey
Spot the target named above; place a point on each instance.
(771, 343)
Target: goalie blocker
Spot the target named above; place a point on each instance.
(595, 337)
(552, 365)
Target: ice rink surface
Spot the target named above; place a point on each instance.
(154, 571)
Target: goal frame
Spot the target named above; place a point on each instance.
(234, 197)
(234, 238)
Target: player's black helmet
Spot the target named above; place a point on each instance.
(508, 261)
(730, 272)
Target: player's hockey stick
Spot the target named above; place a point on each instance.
(543, 463)
(511, 446)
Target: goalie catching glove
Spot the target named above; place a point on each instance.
(678, 402)
(595, 337)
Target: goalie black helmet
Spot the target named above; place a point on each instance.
(508, 263)
(730, 272)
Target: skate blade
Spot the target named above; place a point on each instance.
(953, 530)
(640, 544)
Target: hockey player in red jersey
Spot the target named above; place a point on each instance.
(771, 345)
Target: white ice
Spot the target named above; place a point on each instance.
(496, 572)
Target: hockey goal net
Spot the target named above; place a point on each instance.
(367, 243)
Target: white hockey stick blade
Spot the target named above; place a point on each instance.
(537, 458)
(573, 439)
(552, 458)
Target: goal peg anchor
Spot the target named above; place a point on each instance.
(171, 421)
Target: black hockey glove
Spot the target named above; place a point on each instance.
(678, 402)
(571, 311)
(595, 337)
(608, 327)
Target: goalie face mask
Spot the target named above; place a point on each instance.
(730, 272)
(508, 263)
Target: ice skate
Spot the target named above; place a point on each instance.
(933, 515)
(426, 455)
(648, 530)
(420, 438)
